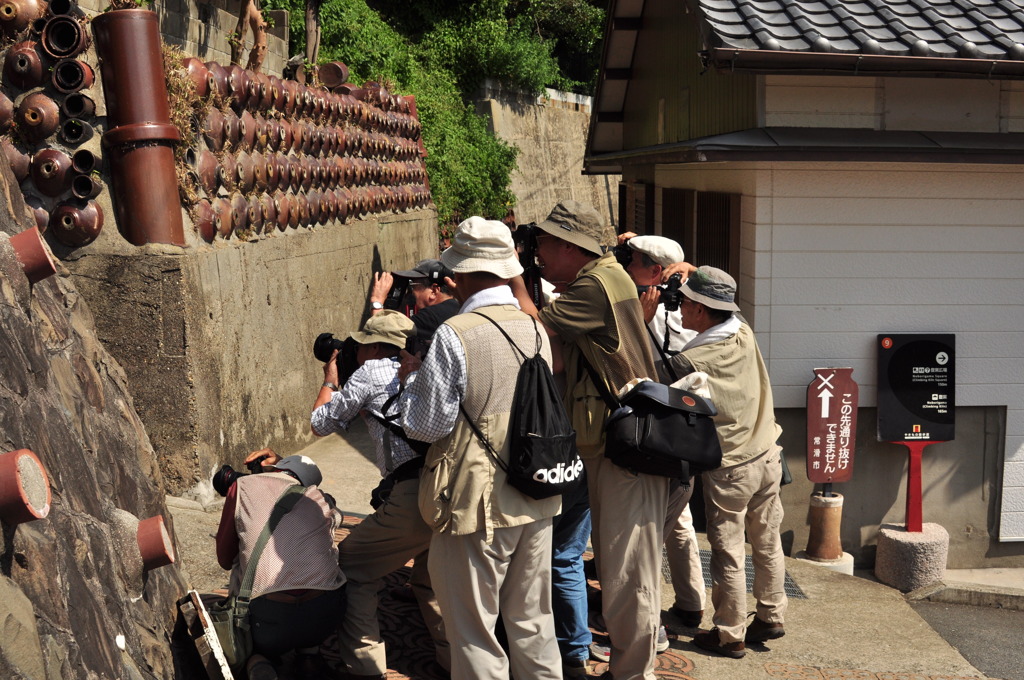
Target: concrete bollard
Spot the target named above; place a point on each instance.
(911, 560)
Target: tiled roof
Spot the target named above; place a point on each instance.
(965, 29)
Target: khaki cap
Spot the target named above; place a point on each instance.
(483, 246)
(662, 250)
(577, 223)
(711, 287)
(388, 326)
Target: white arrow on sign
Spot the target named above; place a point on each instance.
(825, 397)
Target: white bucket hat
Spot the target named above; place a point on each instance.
(483, 246)
(302, 467)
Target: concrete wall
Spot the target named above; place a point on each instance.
(833, 254)
(216, 339)
(892, 103)
(551, 133)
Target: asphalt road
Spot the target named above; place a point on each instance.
(989, 638)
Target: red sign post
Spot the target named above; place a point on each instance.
(831, 426)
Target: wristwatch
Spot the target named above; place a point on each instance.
(330, 385)
(376, 305)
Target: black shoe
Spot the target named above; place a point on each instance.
(574, 668)
(690, 619)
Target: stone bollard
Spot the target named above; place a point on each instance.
(908, 560)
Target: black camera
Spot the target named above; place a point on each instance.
(525, 238)
(671, 295)
(227, 475)
(398, 293)
(623, 254)
(324, 346)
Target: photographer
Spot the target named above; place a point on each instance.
(298, 598)
(395, 532)
(650, 256)
(428, 283)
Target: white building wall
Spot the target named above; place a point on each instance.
(833, 254)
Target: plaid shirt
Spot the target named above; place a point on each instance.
(368, 388)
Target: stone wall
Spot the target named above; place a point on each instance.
(69, 584)
(551, 134)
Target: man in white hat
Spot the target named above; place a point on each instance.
(395, 532)
(491, 549)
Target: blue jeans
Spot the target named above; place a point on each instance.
(571, 531)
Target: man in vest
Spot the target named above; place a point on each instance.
(742, 496)
(598, 319)
(491, 548)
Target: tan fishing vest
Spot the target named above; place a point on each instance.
(462, 490)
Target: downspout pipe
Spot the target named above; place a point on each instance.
(140, 138)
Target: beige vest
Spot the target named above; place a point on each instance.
(462, 490)
(300, 552)
(742, 394)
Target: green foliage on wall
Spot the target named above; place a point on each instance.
(441, 51)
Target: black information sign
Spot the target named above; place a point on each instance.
(916, 387)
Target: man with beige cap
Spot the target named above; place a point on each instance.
(395, 532)
(491, 549)
(599, 320)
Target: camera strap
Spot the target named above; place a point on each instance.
(663, 352)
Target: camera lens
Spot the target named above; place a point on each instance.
(224, 478)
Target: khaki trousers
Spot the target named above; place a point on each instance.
(738, 498)
(475, 581)
(683, 554)
(380, 544)
(628, 515)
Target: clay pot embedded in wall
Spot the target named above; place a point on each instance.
(208, 169)
(218, 79)
(213, 129)
(39, 212)
(238, 86)
(244, 165)
(260, 172)
(313, 206)
(247, 131)
(222, 216)
(254, 213)
(295, 210)
(86, 187)
(206, 221)
(283, 171)
(306, 173)
(278, 88)
(273, 134)
(295, 173)
(78, 105)
(24, 486)
(282, 209)
(32, 253)
(16, 15)
(23, 66)
(20, 163)
(51, 172)
(154, 543)
(286, 136)
(262, 140)
(228, 173)
(63, 36)
(271, 172)
(74, 132)
(76, 224)
(84, 161)
(64, 7)
(6, 113)
(269, 211)
(239, 212)
(288, 90)
(198, 74)
(333, 74)
(72, 75)
(232, 130)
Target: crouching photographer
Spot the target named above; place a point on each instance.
(395, 532)
(276, 535)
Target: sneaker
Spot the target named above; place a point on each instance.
(759, 631)
(690, 619)
(599, 652)
(708, 639)
(574, 668)
(662, 644)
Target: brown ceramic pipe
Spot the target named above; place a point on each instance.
(74, 132)
(218, 81)
(213, 129)
(208, 168)
(86, 186)
(198, 74)
(222, 216)
(71, 75)
(245, 168)
(63, 36)
(140, 136)
(206, 220)
(78, 105)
